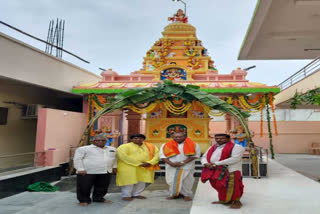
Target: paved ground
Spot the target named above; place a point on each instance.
(284, 189)
(64, 201)
(308, 165)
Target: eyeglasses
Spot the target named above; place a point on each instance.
(99, 140)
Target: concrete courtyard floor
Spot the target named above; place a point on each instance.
(283, 191)
(308, 165)
(64, 201)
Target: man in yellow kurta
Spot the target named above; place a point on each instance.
(137, 162)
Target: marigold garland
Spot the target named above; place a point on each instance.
(211, 112)
(229, 100)
(177, 110)
(90, 114)
(216, 114)
(261, 121)
(143, 110)
(94, 102)
(252, 105)
(236, 103)
(246, 104)
(98, 107)
(269, 125)
(273, 113)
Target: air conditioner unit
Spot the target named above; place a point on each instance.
(30, 111)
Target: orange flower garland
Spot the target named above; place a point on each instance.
(261, 120)
(273, 113)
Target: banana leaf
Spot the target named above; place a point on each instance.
(168, 90)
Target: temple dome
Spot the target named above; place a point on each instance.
(179, 28)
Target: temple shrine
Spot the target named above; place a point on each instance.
(178, 56)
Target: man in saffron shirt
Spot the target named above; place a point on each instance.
(222, 167)
(179, 155)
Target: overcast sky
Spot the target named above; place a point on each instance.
(117, 33)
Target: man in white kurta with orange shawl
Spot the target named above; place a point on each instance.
(179, 155)
(137, 162)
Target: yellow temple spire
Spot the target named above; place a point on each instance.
(178, 54)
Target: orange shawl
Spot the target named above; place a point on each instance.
(170, 149)
(151, 149)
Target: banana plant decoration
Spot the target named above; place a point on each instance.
(167, 90)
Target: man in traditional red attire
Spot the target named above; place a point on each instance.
(179, 155)
(222, 167)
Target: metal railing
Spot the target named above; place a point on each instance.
(262, 160)
(307, 70)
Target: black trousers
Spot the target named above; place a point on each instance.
(100, 184)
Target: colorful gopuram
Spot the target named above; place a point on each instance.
(178, 56)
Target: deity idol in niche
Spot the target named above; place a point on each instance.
(143, 66)
(151, 53)
(198, 43)
(194, 63)
(211, 65)
(179, 17)
(163, 52)
(173, 74)
(106, 131)
(204, 52)
(240, 136)
(158, 43)
(188, 42)
(190, 51)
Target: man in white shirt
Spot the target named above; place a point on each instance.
(95, 164)
(222, 167)
(179, 155)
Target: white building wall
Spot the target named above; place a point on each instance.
(284, 115)
(22, 62)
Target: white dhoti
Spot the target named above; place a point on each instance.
(180, 181)
(132, 190)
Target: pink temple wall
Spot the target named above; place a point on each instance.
(57, 132)
(235, 76)
(293, 136)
